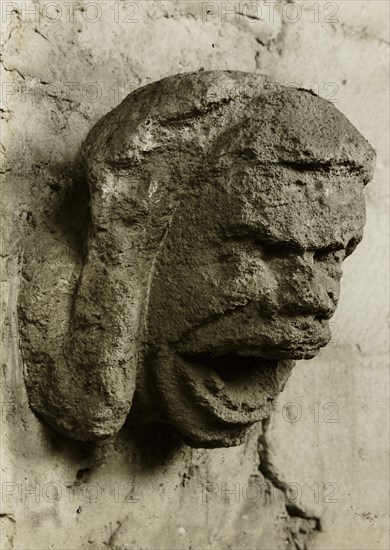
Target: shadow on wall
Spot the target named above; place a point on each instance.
(63, 191)
(147, 448)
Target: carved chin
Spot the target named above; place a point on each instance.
(215, 401)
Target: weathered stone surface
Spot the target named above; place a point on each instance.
(222, 205)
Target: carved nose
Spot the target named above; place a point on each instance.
(315, 301)
(307, 290)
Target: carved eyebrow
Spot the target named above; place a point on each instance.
(306, 166)
(254, 236)
(328, 249)
(245, 233)
(287, 245)
(331, 247)
(250, 235)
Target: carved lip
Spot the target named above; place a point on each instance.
(303, 350)
(281, 338)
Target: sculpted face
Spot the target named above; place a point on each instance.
(221, 208)
(245, 282)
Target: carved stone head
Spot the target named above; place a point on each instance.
(222, 207)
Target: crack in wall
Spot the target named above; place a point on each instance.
(8, 516)
(350, 32)
(8, 70)
(273, 44)
(110, 543)
(301, 525)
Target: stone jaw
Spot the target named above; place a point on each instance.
(88, 323)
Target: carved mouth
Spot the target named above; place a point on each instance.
(214, 399)
(229, 366)
(233, 387)
(223, 383)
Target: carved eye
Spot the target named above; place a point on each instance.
(332, 254)
(352, 245)
(271, 251)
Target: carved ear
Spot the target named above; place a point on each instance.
(80, 319)
(103, 337)
(80, 375)
(101, 343)
(79, 327)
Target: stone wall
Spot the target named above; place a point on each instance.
(316, 475)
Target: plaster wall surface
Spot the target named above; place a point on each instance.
(325, 447)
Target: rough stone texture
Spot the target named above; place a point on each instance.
(222, 206)
(346, 61)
